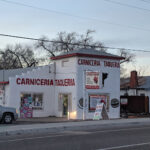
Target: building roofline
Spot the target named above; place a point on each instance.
(85, 55)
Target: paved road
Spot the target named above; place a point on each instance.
(116, 137)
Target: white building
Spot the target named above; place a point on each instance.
(73, 80)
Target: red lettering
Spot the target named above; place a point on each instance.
(60, 82)
(23, 81)
(46, 83)
(51, 82)
(18, 80)
(73, 82)
(111, 64)
(89, 62)
(65, 82)
(38, 81)
(31, 81)
(27, 81)
(42, 82)
(79, 61)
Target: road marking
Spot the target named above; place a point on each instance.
(48, 136)
(32, 138)
(118, 130)
(78, 132)
(124, 146)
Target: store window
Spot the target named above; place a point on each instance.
(1, 95)
(36, 99)
(104, 77)
(94, 99)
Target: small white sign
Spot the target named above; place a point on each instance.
(92, 80)
(100, 112)
(124, 101)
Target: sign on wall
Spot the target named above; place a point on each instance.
(92, 80)
(115, 103)
(95, 99)
(124, 101)
(45, 82)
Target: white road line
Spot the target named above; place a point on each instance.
(118, 130)
(31, 138)
(42, 137)
(125, 146)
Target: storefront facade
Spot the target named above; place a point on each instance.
(71, 86)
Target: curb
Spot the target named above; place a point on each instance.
(66, 127)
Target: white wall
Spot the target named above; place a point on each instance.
(67, 71)
(48, 91)
(111, 87)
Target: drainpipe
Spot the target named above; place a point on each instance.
(84, 95)
(3, 85)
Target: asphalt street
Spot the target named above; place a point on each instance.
(110, 137)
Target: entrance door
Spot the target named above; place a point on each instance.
(65, 105)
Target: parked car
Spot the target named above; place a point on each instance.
(8, 114)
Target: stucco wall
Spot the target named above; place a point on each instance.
(111, 86)
(48, 91)
(67, 71)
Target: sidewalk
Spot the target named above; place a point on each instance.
(65, 126)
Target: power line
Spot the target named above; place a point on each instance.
(76, 16)
(127, 5)
(52, 41)
(38, 8)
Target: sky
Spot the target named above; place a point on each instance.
(118, 23)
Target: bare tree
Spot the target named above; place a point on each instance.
(65, 42)
(17, 57)
(129, 57)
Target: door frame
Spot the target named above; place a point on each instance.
(69, 100)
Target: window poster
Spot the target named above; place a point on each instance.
(95, 99)
(1, 95)
(26, 107)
